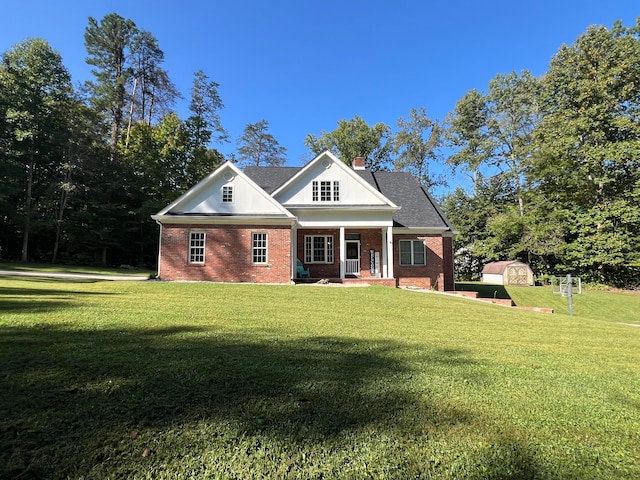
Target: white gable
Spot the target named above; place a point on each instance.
(226, 191)
(353, 190)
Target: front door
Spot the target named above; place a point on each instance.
(353, 257)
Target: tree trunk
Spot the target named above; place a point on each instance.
(133, 96)
(27, 211)
(113, 147)
(64, 195)
(520, 205)
(151, 104)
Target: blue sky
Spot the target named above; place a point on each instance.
(303, 65)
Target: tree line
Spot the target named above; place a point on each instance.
(82, 169)
(552, 161)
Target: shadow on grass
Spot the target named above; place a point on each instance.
(72, 399)
(485, 290)
(43, 278)
(29, 300)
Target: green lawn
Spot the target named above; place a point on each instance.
(593, 304)
(175, 380)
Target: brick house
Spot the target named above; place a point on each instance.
(341, 223)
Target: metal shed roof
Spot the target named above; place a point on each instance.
(498, 268)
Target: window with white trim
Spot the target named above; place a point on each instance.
(259, 248)
(227, 194)
(318, 249)
(196, 247)
(412, 252)
(325, 191)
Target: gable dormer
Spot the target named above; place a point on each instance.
(328, 182)
(225, 193)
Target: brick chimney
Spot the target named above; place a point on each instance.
(358, 163)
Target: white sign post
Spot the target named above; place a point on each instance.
(570, 295)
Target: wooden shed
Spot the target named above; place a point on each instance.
(510, 272)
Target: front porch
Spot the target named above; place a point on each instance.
(344, 255)
(371, 255)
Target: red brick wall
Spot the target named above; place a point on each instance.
(227, 254)
(430, 275)
(447, 259)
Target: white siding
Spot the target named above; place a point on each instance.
(246, 199)
(493, 278)
(352, 192)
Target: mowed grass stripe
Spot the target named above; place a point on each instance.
(252, 381)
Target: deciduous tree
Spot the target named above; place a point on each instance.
(493, 132)
(354, 138)
(36, 91)
(588, 150)
(416, 146)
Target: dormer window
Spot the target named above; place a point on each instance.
(227, 194)
(325, 191)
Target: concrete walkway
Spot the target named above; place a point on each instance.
(72, 276)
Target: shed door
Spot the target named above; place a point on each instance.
(518, 275)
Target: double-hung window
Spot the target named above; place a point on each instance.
(227, 194)
(325, 191)
(318, 249)
(259, 248)
(196, 247)
(412, 252)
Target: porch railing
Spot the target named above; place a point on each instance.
(352, 266)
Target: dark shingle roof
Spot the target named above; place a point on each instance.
(270, 178)
(418, 208)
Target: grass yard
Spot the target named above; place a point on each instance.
(594, 304)
(158, 380)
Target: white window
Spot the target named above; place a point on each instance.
(325, 191)
(259, 248)
(412, 252)
(196, 247)
(318, 249)
(227, 194)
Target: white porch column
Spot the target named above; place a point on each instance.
(389, 257)
(383, 256)
(294, 250)
(342, 253)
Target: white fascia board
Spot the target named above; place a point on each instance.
(343, 208)
(344, 223)
(223, 220)
(444, 231)
(340, 164)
